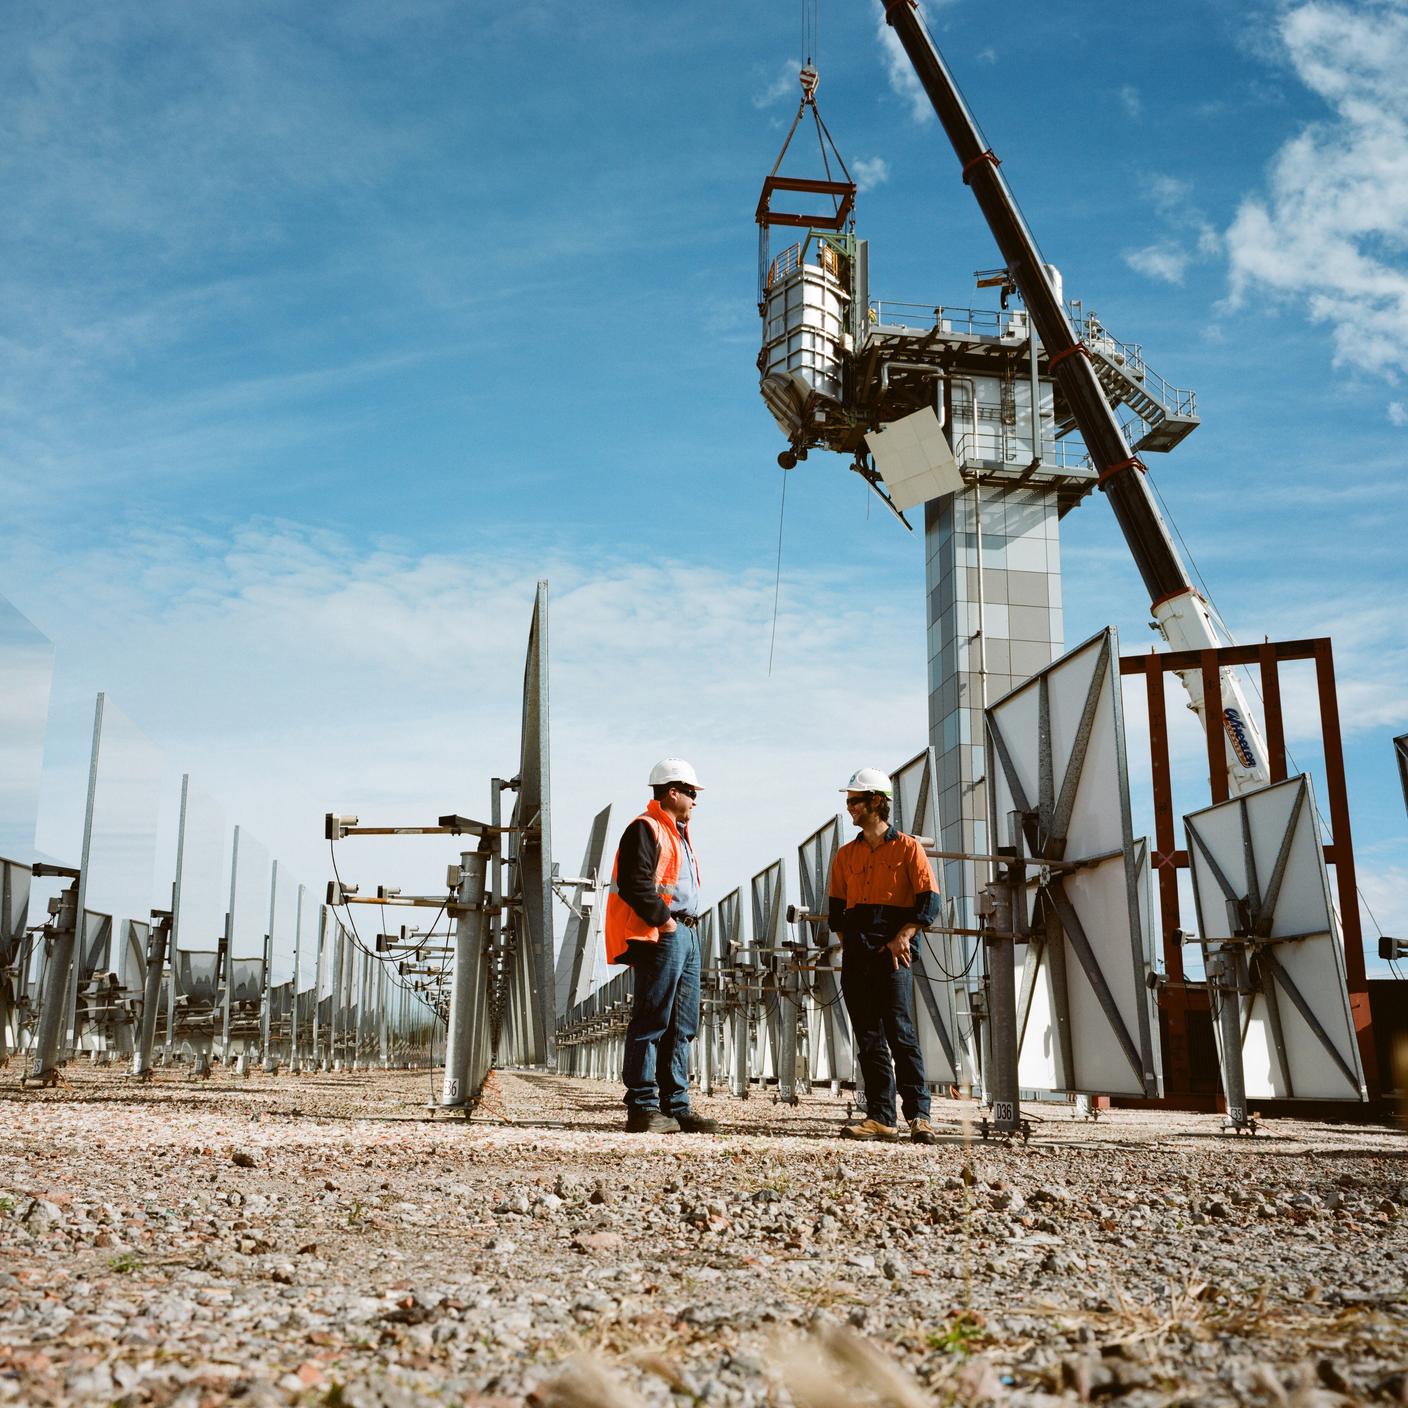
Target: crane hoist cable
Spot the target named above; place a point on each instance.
(777, 581)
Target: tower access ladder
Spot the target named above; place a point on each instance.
(1167, 413)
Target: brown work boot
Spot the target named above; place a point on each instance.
(921, 1131)
(871, 1129)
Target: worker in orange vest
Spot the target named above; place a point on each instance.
(651, 913)
(882, 893)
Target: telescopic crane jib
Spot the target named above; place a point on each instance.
(1181, 613)
(827, 380)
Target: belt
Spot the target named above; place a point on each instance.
(688, 920)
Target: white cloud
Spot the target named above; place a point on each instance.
(785, 84)
(987, 55)
(1164, 261)
(900, 71)
(1328, 232)
(1130, 101)
(1397, 413)
(870, 171)
(1186, 234)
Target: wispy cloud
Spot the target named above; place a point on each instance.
(900, 71)
(1165, 261)
(1187, 235)
(870, 171)
(783, 85)
(1130, 101)
(1327, 233)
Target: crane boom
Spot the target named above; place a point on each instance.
(1179, 610)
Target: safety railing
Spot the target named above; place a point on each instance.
(971, 322)
(787, 261)
(1129, 358)
(994, 444)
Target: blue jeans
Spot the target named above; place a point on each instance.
(880, 1004)
(664, 1020)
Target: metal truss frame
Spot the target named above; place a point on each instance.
(1062, 941)
(1272, 948)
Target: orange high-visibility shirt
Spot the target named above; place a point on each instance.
(877, 892)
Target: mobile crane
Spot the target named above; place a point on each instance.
(846, 381)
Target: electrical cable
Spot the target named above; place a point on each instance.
(358, 941)
(777, 582)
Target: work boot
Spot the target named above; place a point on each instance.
(650, 1121)
(695, 1124)
(871, 1129)
(921, 1131)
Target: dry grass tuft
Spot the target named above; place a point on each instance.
(838, 1369)
(585, 1382)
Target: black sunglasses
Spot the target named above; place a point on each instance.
(857, 801)
(688, 791)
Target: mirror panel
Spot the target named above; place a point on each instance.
(201, 892)
(249, 897)
(27, 669)
(118, 863)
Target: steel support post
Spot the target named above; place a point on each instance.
(1002, 1087)
(738, 1077)
(1221, 965)
(266, 1005)
(318, 1037)
(293, 1064)
(151, 997)
(788, 1010)
(227, 965)
(705, 1048)
(60, 935)
(383, 1049)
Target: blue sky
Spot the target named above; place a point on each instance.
(326, 330)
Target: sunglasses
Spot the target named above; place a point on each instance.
(859, 801)
(688, 791)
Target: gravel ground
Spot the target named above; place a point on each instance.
(320, 1239)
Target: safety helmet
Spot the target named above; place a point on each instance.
(673, 770)
(869, 780)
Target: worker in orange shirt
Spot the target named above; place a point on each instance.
(882, 893)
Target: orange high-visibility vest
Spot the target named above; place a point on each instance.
(623, 924)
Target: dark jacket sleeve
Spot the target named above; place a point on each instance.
(836, 899)
(635, 874)
(926, 887)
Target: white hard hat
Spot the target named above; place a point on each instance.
(673, 770)
(868, 780)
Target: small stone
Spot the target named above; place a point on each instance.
(596, 1241)
(1328, 1372)
(241, 1159)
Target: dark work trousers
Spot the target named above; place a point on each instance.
(664, 1020)
(880, 1004)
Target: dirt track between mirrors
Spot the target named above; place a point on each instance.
(321, 1239)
